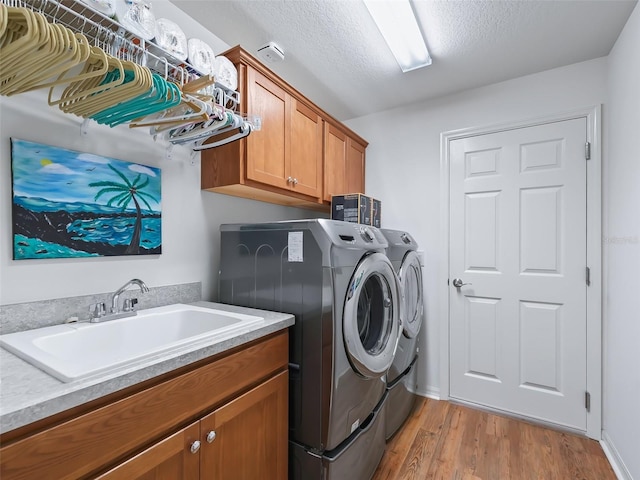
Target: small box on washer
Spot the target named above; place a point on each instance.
(354, 207)
(376, 214)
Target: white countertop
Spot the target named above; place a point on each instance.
(28, 394)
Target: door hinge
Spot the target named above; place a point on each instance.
(587, 401)
(587, 150)
(587, 275)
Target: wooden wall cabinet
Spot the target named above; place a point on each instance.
(285, 162)
(344, 162)
(225, 419)
(287, 151)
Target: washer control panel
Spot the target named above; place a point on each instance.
(354, 235)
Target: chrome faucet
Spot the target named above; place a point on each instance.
(115, 308)
(98, 310)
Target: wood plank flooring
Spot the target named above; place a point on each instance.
(444, 441)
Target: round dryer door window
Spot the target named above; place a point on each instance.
(411, 283)
(371, 316)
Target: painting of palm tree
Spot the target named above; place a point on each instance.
(69, 204)
(124, 194)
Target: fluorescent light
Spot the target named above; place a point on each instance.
(399, 27)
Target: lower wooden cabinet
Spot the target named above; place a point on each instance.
(249, 435)
(170, 458)
(223, 418)
(243, 439)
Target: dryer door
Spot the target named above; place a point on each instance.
(411, 283)
(371, 324)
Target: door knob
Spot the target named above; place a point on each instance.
(195, 446)
(211, 436)
(457, 282)
(289, 179)
(295, 181)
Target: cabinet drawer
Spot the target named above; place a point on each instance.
(85, 443)
(169, 458)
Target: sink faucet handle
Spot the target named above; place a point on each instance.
(129, 304)
(98, 310)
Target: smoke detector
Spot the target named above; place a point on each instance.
(271, 53)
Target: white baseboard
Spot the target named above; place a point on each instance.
(429, 392)
(619, 468)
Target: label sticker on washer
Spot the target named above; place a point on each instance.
(295, 247)
(355, 425)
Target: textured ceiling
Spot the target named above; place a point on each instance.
(335, 55)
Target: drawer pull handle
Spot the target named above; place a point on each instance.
(211, 436)
(195, 446)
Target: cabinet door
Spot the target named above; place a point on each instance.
(305, 153)
(248, 436)
(355, 167)
(335, 159)
(266, 147)
(169, 459)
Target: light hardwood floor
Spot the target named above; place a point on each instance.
(444, 441)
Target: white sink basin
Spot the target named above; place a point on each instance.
(80, 350)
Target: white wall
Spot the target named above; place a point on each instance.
(622, 249)
(190, 217)
(403, 163)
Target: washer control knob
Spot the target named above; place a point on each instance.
(366, 235)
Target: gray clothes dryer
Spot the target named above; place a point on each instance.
(337, 281)
(402, 252)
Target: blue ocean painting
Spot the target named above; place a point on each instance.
(70, 204)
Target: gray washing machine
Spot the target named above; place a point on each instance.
(337, 281)
(402, 252)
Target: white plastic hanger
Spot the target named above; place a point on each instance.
(243, 131)
(191, 110)
(205, 130)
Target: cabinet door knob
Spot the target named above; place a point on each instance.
(211, 436)
(195, 446)
(295, 181)
(290, 180)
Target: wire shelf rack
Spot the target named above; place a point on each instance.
(115, 39)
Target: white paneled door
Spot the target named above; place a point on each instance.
(518, 245)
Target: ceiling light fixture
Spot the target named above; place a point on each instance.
(399, 27)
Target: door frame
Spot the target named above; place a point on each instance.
(594, 249)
